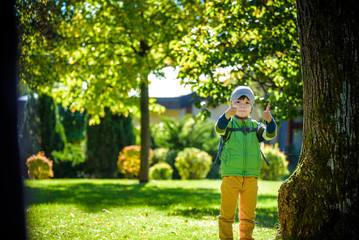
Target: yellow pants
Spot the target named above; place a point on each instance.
(246, 189)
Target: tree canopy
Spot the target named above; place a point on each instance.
(99, 54)
(245, 42)
(91, 55)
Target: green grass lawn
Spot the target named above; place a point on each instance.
(125, 209)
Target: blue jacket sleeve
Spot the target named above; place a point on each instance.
(221, 124)
(271, 127)
(268, 131)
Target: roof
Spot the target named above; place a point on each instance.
(178, 102)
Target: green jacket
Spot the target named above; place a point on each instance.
(241, 154)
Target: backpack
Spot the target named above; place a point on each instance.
(227, 135)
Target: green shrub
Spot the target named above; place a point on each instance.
(129, 161)
(171, 155)
(189, 131)
(69, 162)
(192, 163)
(161, 171)
(159, 155)
(39, 166)
(277, 169)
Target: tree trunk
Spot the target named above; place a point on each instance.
(320, 200)
(145, 132)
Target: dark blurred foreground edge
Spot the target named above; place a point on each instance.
(12, 197)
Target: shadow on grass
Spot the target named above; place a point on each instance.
(267, 217)
(95, 197)
(193, 203)
(196, 212)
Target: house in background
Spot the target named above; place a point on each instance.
(176, 107)
(289, 135)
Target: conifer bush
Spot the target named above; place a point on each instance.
(161, 171)
(129, 161)
(277, 170)
(104, 141)
(39, 166)
(42, 129)
(192, 163)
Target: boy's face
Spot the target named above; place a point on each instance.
(244, 107)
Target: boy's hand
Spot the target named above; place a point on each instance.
(267, 115)
(231, 111)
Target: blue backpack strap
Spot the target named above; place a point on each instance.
(220, 148)
(264, 158)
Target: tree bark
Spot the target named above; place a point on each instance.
(145, 131)
(320, 200)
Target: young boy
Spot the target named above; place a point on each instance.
(241, 161)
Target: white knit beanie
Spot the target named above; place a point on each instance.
(240, 91)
